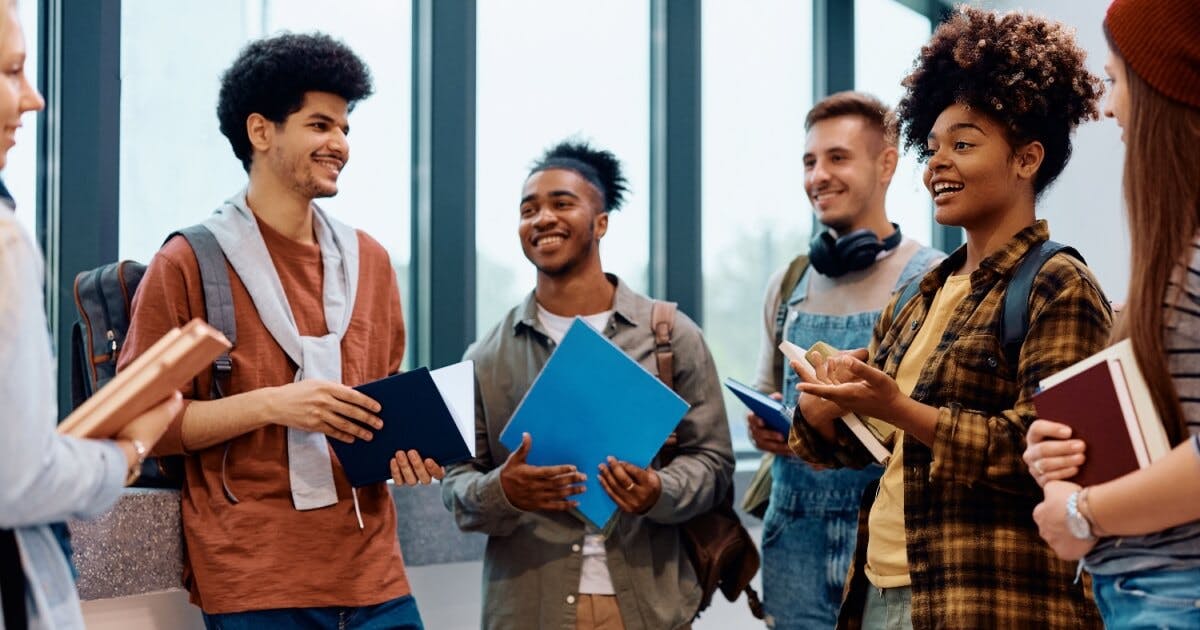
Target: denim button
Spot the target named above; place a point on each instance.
(570, 599)
(991, 361)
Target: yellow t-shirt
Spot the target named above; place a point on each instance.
(887, 556)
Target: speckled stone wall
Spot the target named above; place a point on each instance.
(136, 547)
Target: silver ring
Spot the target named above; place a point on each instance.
(630, 486)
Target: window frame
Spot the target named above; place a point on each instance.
(78, 156)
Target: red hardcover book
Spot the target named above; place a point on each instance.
(1095, 409)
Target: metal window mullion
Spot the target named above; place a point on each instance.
(676, 269)
(442, 313)
(82, 158)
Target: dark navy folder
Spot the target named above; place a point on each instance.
(591, 401)
(414, 417)
(770, 410)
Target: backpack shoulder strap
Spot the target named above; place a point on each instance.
(218, 292)
(1014, 322)
(791, 278)
(662, 322)
(907, 293)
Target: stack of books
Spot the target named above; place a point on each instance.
(155, 375)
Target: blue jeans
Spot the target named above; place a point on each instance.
(809, 533)
(888, 608)
(399, 613)
(1149, 599)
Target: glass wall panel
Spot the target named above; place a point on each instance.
(20, 171)
(757, 87)
(888, 36)
(176, 167)
(548, 70)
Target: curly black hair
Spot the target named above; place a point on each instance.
(271, 76)
(1024, 71)
(598, 166)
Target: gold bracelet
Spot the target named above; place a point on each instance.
(135, 470)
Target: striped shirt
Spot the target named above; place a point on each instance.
(1179, 547)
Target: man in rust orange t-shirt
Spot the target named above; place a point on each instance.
(275, 535)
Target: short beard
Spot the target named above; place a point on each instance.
(312, 190)
(307, 187)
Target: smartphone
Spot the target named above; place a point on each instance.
(820, 349)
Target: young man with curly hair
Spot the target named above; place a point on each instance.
(947, 539)
(543, 567)
(275, 536)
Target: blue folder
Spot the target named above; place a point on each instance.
(591, 401)
(770, 410)
(414, 417)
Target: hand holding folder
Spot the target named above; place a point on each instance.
(415, 418)
(539, 488)
(592, 401)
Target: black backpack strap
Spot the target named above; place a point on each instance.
(218, 292)
(907, 293)
(1014, 324)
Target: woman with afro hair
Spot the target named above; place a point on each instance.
(947, 539)
(1139, 534)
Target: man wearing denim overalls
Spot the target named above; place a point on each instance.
(853, 267)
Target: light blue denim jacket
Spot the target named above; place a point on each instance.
(44, 477)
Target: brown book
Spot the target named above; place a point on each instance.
(1097, 406)
(160, 371)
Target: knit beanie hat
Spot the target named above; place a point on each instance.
(1160, 41)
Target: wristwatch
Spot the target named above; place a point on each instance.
(1077, 523)
(135, 470)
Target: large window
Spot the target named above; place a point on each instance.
(20, 172)
(176, 167)
(548, 70)
(888, 36)
(757, 87)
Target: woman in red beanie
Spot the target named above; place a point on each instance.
(1139, 535)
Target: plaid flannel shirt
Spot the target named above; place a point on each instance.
(973, 548)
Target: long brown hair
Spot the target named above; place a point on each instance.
(1162, 198)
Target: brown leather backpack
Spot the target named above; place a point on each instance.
(722, 552)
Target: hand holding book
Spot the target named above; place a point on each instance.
(1050, 454)
(846, 390)
(1105, 403)
(150, 380)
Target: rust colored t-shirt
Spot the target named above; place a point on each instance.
(262, 553)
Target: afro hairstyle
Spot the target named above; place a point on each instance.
(1023, 71)
(271, 77)
(601, 168)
